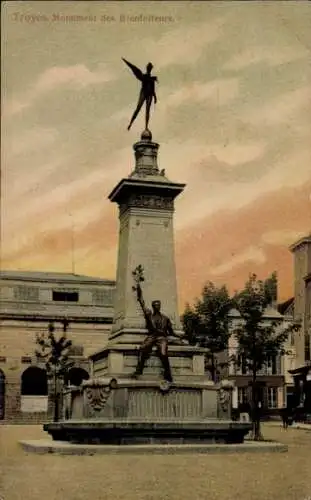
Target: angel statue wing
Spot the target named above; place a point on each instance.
(137, 72)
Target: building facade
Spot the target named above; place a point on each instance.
(301, 250)
(289, 359)
(28, 302)
(272, 380)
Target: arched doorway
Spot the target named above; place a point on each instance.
(2, 395)
(76, 376)
(34, 390)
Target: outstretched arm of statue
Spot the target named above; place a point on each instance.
(140, 299)
(136, 71)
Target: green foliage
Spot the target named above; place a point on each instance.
(190, 323)
(259, 340)
(54, 352)
(207, 323)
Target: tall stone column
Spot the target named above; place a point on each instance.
(146, 208)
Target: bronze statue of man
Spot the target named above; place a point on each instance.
(159, 328)
(147, 92)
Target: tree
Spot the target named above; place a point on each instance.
(55, 353)
(259, 340)
(207, 322)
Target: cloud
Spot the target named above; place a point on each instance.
(230, 244)
(53, 241)
(251, 254)
(76, 77)
(29, 141)
(83, 195)
(218, 92)
(183, 45)
(238, 140)
(280, 110)
(206, 197)
(282, 236)
(270, 55)
(237, 153)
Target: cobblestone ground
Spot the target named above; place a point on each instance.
(245, 476)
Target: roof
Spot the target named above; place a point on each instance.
(234, 313)
(284, 306)
(53, 276)
(301, 370)
(304, 239)
(270, 312)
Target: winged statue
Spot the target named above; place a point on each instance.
(147, 92)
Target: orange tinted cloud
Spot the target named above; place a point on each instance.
(205, 251)
(223, 248)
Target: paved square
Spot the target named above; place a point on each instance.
(245, 476)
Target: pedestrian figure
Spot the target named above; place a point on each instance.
(285, 417)
(244, 410)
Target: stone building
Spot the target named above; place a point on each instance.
(287, 310)
(301, 250)
(272, 378)
(28, 302)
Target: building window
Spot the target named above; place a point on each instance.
(65, 296)
(242, 366)
(76, 350)
(272, 397)
(26, 359)
(34, 382)
(271, 366)
(242, 394)
(2, 395)
(22, 293)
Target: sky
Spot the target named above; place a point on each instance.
(232, 121)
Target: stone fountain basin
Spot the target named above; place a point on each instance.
(140, 431)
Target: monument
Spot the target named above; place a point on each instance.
(128, 399)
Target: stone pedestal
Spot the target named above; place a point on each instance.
(146, 207)
(119, 360)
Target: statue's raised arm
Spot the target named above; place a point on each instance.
(138, 275)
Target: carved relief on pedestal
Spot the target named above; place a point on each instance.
(147, 201)
(98, 392)
(97, 397)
